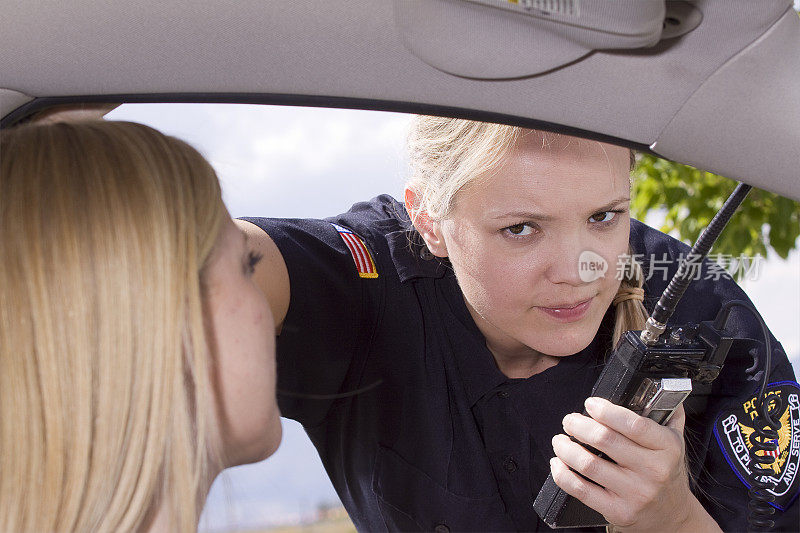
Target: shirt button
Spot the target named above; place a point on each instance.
(442, 528)
(503, 394)
(510, 465)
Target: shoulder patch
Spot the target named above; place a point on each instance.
(734, 428)
(361, 256)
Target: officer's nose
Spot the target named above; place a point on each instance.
(570, 261)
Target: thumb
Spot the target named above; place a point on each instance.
(678, 420)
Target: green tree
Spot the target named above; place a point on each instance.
(692, 197)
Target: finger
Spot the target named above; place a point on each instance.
(617, 446)
(603, 472)
(641, 430)
(589, 493)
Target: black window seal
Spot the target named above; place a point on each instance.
(26, 111)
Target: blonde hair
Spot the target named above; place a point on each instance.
(105, 228)
(447, 154)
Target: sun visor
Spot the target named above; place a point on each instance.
(743, 122)
(521, 38)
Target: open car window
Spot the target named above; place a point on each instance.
(312, 162)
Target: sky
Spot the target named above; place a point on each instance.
(305, 162)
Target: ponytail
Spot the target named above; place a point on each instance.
(631, 313)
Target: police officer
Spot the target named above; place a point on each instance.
(438, 352)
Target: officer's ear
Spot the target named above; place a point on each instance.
(428, 228)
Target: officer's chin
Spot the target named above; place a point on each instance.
(564, 345)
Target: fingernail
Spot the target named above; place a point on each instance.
(591, 403)
(552, 463)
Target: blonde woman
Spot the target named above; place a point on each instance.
(136, 352)
(438, 351)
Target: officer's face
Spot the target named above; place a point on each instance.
(510, 264)
(241, 331)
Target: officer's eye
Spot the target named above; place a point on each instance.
(519, 230)
(608, 217)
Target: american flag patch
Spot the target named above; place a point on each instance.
(361, 256)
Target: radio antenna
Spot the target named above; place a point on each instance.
(666, 305)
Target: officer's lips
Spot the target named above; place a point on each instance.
(569, 313)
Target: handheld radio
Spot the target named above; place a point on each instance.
(652, 371)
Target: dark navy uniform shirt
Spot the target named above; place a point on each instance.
(440, 439)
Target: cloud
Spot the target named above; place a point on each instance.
(287, 161)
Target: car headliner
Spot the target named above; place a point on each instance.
(724, 97)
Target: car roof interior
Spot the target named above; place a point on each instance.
(711, 83)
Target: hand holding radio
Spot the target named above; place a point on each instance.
(650, 373)
(648, 488)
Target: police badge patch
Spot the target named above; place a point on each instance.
(734, 428)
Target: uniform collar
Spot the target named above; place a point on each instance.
(411, 257)
(476, 365)
(479, 371)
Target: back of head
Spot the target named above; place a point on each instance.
(104, 230)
